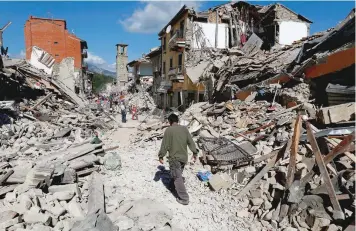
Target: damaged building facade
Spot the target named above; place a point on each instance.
(52, 48)
(190, 40)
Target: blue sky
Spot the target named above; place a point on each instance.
(104, 24)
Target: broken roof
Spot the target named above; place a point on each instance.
(266, 9)
(154, 51)
(140, 60)
(180, 13)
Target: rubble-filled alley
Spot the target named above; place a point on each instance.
(275, 135)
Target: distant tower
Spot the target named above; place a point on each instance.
(121, 62)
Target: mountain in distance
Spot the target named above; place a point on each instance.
(102, 71)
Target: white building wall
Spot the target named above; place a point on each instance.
(42, 60)
(290, 31)
(209, 33)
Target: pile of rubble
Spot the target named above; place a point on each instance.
(249, 69)
(48, 150)
(142, 99)
(287, 191)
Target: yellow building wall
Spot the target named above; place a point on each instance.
(168, 53)
(187, 85)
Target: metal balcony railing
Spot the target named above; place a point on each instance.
(176, 73)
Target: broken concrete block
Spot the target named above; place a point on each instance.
(256, 193)
(124, 223)
(55, 209)
(220, 181)
(33, 216)
(7, 215)
(257, 201)
(96, 194)
(274, 224)
(24, 204)
(10, 197)
(38, 175)
(64, 188)
(338, 113)
(9, 223)
(40, 227)
(319, 223)
(268, 216)
(243, 213)
(250, 170)
(74, 209)
(267, 205)
(334, 227)
(69, 176)
(290, 229)
(63, 196)
(95, 221)
(17, 227)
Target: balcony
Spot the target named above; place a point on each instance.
(176, 73)
(85, 66)
(177, 42)
(84, 54)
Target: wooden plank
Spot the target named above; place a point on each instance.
(83, 161)
(339, 149)
(5, 176)
(337, 213)
(265, 157)
(258, 177)
(88, 171)
(294, 151)
(336, 142)
(81, 152)
(96, 194)
(4, 165)
(8, 188)
(41, 101)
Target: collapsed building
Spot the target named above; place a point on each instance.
(52, 48)
(278, 131)
(191, 39)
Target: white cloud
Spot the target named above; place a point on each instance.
(100, 62)
(154, 15)
(94, 59)
(21, 55)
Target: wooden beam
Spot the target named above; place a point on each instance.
(269, 165)
(294, 151)
(4, 177)
(336, 143)
(337, 213)
(87, 171)
(41, 102)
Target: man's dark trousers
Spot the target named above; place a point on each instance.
(123, 116)
(177, 168)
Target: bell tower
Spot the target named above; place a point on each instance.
(121, 62)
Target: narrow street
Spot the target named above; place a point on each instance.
(140, 178)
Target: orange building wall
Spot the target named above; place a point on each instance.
(44, 33)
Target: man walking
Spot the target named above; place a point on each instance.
(123, 113)
(175, 140)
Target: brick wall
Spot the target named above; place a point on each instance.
(52, 36)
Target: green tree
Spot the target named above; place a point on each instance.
(99, 81)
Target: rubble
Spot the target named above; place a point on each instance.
(276, 157)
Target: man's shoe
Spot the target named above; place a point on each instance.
(180, 201)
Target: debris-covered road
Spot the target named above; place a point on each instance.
(142, 177)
